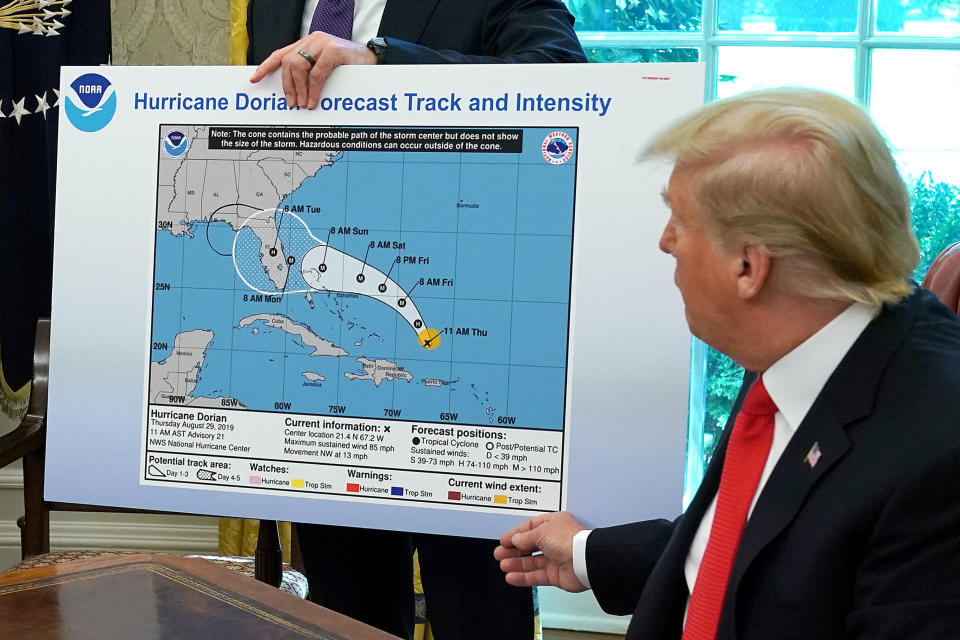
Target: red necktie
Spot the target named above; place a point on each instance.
(746, 456)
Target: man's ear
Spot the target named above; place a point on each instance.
(754, 269)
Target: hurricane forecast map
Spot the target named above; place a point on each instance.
(363, 313)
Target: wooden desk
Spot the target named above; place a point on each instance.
(158, 596)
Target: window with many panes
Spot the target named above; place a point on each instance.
(900, 58)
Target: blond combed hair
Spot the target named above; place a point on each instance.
(806, 174)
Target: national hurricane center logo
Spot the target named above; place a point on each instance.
(90, 102)
(175, 143)
(557, 147)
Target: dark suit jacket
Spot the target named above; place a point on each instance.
(439, 31)
(866, 544)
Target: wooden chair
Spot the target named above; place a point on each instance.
(943, 277)
(27, 443)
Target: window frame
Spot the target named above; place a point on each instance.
(863, 41)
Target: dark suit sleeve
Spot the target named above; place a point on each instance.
(271, 24)
(619, 560)
(525, 31)
(908, 583)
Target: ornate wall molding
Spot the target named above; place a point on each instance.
(171, 32)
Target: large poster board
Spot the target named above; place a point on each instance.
(435, 303)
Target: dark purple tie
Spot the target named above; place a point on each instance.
(334, 17)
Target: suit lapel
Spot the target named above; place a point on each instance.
(788, 485)
(848, 396)
(406, 19)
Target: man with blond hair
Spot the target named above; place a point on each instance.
(831, 508)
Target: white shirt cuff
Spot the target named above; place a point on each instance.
(580, 556)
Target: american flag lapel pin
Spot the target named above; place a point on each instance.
(813, 456)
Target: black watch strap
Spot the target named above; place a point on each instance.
(379, 47)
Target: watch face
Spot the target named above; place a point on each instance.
(378, 46)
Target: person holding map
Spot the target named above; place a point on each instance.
(307, 40)
(365, 573)
(831, 508)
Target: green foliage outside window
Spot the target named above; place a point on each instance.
(605, 54)
(636, 15)
(936, 218)
(723, 384)
(933, 8)
(831, 15)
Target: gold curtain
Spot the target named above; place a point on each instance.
(238, 32)
(238, 537)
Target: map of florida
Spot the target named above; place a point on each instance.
(275, 253)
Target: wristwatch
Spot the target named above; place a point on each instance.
(379, 47)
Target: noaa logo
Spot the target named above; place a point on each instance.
(557, 147)
(90, 102)
(175, 143)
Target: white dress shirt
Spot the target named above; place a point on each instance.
(366, 18)
(793, 382)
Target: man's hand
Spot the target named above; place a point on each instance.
(553, 535)
(301, 83)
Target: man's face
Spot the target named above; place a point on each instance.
(705, 272)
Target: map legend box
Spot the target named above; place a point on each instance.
(499, 499)
(396, 491)
(353, 487)
(297, 483)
